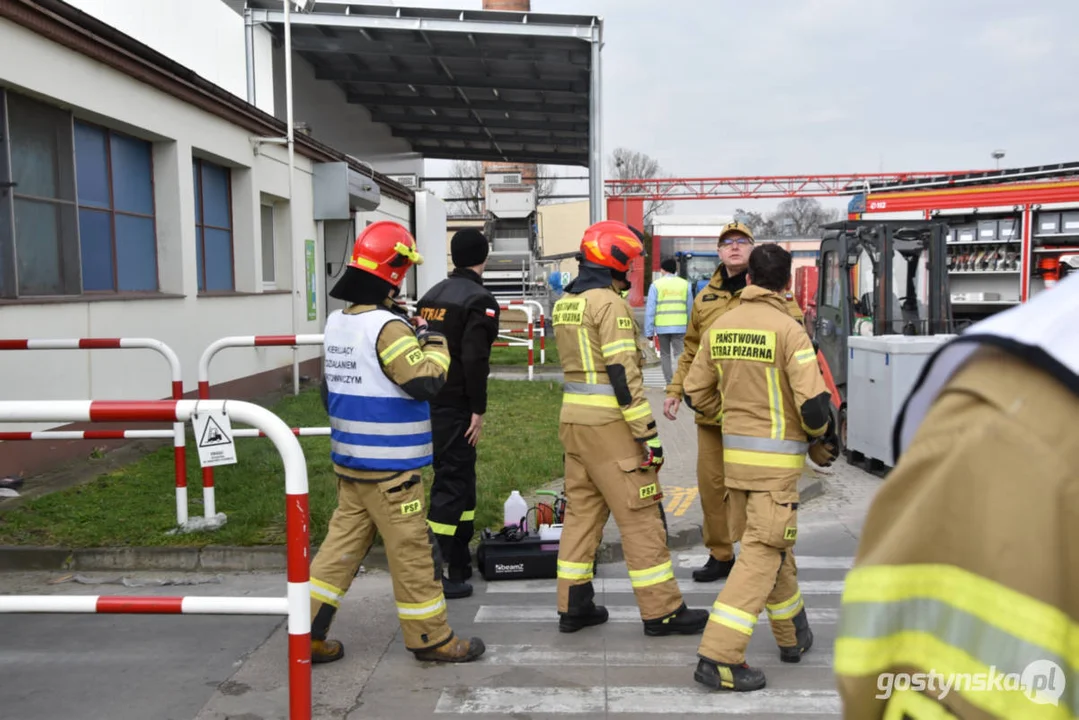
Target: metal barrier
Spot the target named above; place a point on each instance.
(178, 448)
(209, 503)
(296, 603)
(511, 341)
(542, 325)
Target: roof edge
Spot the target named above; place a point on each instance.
(68, 26)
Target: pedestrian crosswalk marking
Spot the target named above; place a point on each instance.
(653, 377)
(506, 701)
(804, 562)
(618, 614)
(622, 585)
(532, 656)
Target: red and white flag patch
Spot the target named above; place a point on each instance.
(490, 312)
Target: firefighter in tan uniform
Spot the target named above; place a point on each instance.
(757, 375)
(612, 448)
(378, 375)
(963, 601)
(722, 293)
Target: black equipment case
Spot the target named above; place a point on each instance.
(513, 555)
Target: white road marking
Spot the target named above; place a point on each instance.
(686, 700)
(532, 656)
(622, 585)
(617, 613)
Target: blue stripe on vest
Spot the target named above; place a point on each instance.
(362, 408)
(380, 440)
(398, 465)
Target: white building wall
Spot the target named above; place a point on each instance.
(95, 92)
(203, 35)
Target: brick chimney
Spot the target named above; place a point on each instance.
(528, 172)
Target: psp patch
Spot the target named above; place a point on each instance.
(625, 323)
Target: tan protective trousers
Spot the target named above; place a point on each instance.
(393, 508)
(712, 490)
(764, 576)
(603, 478)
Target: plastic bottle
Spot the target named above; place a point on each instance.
(515, 511)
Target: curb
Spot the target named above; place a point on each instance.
(216, 558)
(224, 558)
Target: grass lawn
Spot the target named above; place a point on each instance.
(519, 355)
(136, 506)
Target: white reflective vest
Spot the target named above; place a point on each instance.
(672, 302)
(1044, 330)
(374, 424)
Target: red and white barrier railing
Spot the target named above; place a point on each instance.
(178, 447)
(542, 323)
(296, 603)
(508, 339)
(209, 503)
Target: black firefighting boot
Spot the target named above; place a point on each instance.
(583, 611)
(454, 650)
(713, 570)
(728, 676)
(682, 621)
(324, 651)
(453, 589)
(804, 637)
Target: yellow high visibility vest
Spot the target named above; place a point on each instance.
(672, 293)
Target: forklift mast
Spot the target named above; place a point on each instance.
(879, 277)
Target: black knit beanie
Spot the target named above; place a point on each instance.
(468, 248)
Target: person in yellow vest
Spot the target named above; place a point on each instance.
(946, 613)
(612, 447)
(722, 293)
(758, 375)
(666, 314)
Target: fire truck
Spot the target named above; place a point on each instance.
(1012, 233)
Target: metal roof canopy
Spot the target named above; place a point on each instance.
(487, 85)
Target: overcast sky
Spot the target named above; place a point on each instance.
(730, 87)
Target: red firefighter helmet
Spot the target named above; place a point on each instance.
(611, 244)
(386, 250)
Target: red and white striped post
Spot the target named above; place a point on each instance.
(296, 604)
(178, 448)
(542, 325)
(209, 502)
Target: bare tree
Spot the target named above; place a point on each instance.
(760, 226)
(801, 217)
(465, 191)
(545, 184)
(625, 164)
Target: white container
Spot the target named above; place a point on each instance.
(515, 511)
(881, 372)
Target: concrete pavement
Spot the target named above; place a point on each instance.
(218, 668)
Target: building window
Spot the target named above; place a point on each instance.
(269, 254)
(76, 205)
(46, 246)
(117, 236)
(213, 226)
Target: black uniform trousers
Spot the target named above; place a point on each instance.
(452, 510)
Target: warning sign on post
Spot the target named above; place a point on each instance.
(213, 432)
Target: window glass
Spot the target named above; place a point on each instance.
(136, 252)
(132, 174)
(37, 225)
(95, 236)
(92, 166)
(830, 279)
(213, 226)
(268, 250)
